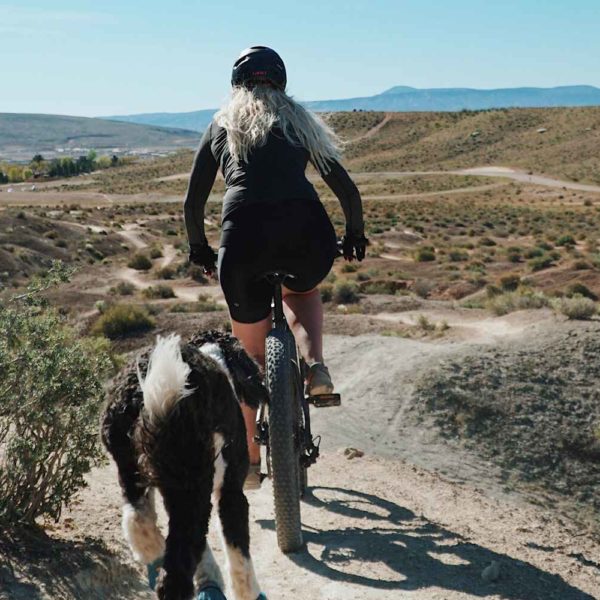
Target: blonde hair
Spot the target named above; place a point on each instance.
(250, 115)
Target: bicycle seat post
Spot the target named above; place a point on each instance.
(278, 315)
(276, 279)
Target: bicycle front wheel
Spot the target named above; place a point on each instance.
(281, 383)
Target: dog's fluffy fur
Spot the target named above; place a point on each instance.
(173, 422)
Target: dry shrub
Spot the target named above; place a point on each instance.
(121, 320)
(577, 307)
(50, 397)
(502, 304)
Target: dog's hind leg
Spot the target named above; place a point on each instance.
(189, 514)
(233, 513)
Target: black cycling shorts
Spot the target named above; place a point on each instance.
(295, 236)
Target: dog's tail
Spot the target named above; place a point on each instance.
(165, 383)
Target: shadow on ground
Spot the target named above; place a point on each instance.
(412, 552)
(34, 566)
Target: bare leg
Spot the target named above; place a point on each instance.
(252, 336)
(304, 314)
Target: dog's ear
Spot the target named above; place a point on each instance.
(245, 373)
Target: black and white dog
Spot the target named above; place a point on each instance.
(173, 422)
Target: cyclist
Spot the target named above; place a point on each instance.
(272, 218)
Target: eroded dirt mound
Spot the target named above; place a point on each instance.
(531, 406)
(34, 565)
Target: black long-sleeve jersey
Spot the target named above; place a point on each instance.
(274, 172)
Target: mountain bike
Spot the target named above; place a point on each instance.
(284, 425)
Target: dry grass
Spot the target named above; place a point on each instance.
(424, 141)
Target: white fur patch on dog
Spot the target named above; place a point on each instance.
(220, 464)
(243, 577)
(141, 530)
(208, 570)
(214, 351)
(166, 380)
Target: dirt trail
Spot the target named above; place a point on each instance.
(416, 518)
(452, 192)
(381, 529)
(475, 326)
(132, 234)
(488, 171)
(374, 130)
(525, 177)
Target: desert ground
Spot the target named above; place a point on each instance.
(463, 346)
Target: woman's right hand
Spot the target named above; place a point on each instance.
(205, 256)
(354, 246)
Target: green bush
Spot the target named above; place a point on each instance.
(326, 292)
(123, 288)
(565, 240)
(156, 252)
(577, 307)
(208, 304)
(349, 268)
(540, 263)
(50, 397)
(123, 319)
(140, 262)
(581, 265)
(514, 254)
(502, 304)
(166, 273)
(345, 292)
(457, 256)
(425, 324)
(534, 252)
(159, 292)
(579, 289)
(510, 282)
(423, 287)
(425, 254)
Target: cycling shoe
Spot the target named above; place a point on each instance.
(318, 380)
(152, 572)
(210, 591)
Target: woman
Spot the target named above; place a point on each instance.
(262, 141)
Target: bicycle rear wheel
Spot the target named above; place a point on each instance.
(281, 383)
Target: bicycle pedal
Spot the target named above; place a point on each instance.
(324, 400)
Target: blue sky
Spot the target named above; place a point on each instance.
(129, 56)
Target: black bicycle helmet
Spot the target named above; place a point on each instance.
(259, 64)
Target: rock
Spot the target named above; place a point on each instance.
(491, 572)
(351, 453)
(542, 130)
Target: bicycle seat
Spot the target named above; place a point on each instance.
(277, 277)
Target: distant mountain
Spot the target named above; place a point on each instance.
(23, 135)
(406, 99)
(195, 121)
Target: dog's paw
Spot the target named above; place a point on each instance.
(152, 572)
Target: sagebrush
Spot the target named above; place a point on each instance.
(50, 396)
